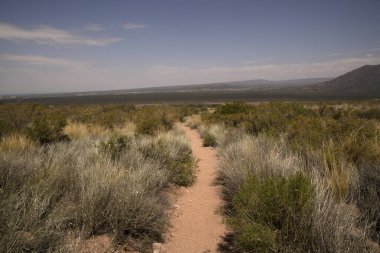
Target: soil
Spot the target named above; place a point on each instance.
(196, 226)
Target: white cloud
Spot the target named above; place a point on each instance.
(132, 26)
(47, 61)
(94, 27)
(50, 36)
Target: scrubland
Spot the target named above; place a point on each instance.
(70, 173)
(298, 177)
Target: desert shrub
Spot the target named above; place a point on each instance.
(49, 192)
(372, 113)
(193, 121)
(150, 122)
(4, 127)
(212, 135)
(48, 128)
(208, 140)
(115, 146)
(277, 202)
(232, 108)
(368, 198)
(305, 128)
(278, 211)
(148, 126)
(173, 151)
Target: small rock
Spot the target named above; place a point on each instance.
(158, 248)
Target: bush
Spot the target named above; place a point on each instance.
(209, 140)
(276, 208)
(66, 188)
(289, 204)
(369, 196)
(48, 128)
(115, 146)
(174, 153)
(373, 113)
(148, 126)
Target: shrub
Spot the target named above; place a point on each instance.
(48, 128)
(193, 121)
(368, 198)
(209, 140)
(174, 153)
(148, 126)
(373, 113)
(65, 188)
(115, 146)
(276, 208)
(289, 204)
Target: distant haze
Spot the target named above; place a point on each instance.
(68, 46)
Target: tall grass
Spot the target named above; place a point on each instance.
(278, 202)
(16, 142)
(79, 188)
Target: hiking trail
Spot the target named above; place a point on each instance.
(196, 226)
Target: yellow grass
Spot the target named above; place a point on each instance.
(15, 142)
(128, 129)
(79, 130)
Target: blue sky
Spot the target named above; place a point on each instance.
(59, 46)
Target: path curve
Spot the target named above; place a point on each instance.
(196, 227)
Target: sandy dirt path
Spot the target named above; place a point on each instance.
(196, 226)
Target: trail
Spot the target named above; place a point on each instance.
(196, 226)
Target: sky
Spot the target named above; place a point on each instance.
(77, 45)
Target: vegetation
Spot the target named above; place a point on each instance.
(69, 173)
(299, 177)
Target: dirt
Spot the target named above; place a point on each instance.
(196, 226)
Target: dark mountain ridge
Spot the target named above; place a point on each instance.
(362, 81)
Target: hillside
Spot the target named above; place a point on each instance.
(364, 81)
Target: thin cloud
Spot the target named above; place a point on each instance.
(94, 27)
(133, 26)
(174, 74)
(47, 61)
(355, 52)
(50, 36)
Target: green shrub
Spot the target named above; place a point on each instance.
(208, 140)
(373, 113)
(48, 128)
(174, 153)
(254, 237)
(148, 126)
(369, 196)
(277, 210)
(115, 145)
(4, 128)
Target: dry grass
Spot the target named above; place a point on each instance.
(51, 193)
(16, 142)
(76, 130)
(193, 121)
(332, 225)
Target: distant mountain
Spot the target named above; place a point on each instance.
(256, 84)
(364, 81)
(361, 83)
